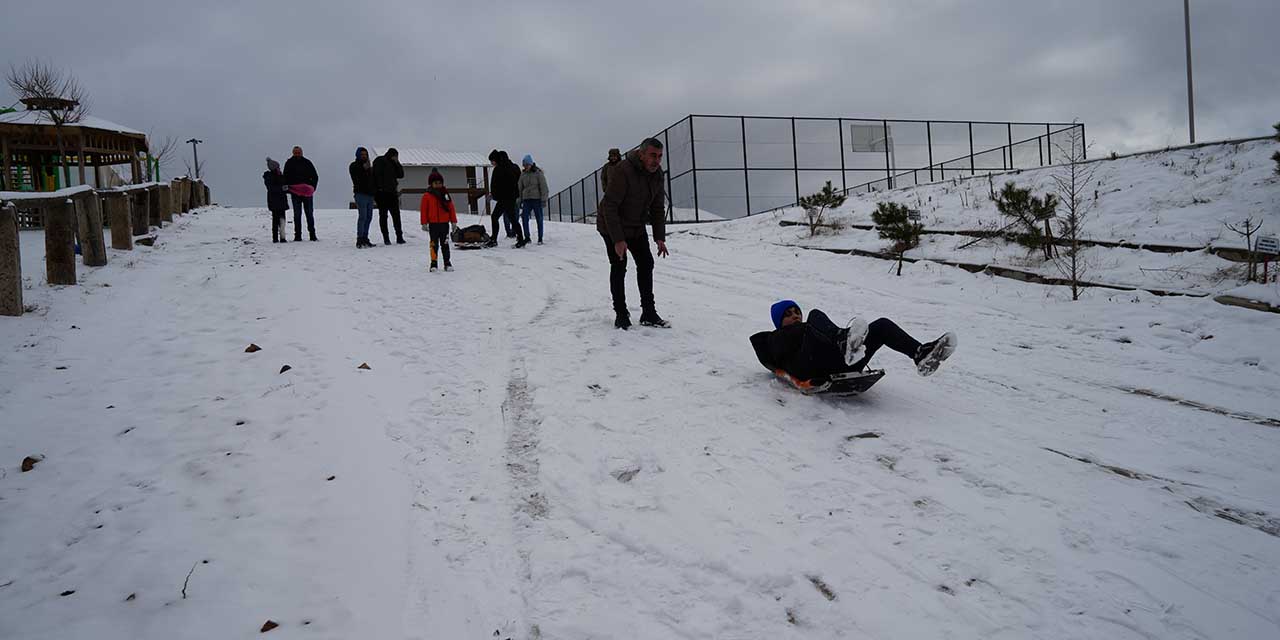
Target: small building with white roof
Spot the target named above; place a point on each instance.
(458, 169)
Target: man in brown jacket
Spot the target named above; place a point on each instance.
(634, 196)
(615, 156)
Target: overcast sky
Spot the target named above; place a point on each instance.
(566, 80)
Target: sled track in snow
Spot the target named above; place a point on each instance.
(1209, 506)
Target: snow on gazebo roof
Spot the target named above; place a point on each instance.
(88, 122)
(427, 157)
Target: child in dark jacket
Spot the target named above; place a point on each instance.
(438, 214)
(815, 349)
(277, 198)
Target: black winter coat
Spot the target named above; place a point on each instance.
(387, 174)
(299, 170)
(361, 178)
(504, 184)
(277, 188)
(795, 351)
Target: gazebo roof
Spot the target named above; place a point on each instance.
(427, 157)
(88, 122)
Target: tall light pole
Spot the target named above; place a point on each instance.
(195, 155)
(1191, 102)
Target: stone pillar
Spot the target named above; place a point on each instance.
(138, 202)
(121, 220)
(175, 195)
(60, 242)
(166, 203)
(89, 214)
(208, 196)
(10, 262)
(153, 207)
(185, 186)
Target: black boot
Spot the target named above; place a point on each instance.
(930, 355)
(650, 318)
(622, 320)
(313, 236)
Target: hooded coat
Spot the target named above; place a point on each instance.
(533, 184)
(276, 190)
(361, 174)
(387, 173)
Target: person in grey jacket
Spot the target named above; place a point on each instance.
(533, 193)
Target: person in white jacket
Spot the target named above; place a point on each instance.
(533, 194)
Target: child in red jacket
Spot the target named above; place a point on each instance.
(438, 214)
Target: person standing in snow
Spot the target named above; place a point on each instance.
(362, 185)
(301, 176)
(533, 193)
(438, 215)
(387, 173)
(635, 196)
(277, 203)
(813, 350)
(615, 156)
(504, 187)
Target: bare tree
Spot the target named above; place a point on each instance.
(162, 156)
(54, 92)
(1246, 229)
(1073, 180)
(198, 170)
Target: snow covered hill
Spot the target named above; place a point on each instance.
(1178, 198)
(510, 466)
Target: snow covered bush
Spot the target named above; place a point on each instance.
(815, 206)
(894, 222)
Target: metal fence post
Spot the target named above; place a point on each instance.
(795, 158)
(671, 198)
(888, 168)
(972, 171)
(1084, 147)
(693, 159)
(1048, 141)
(844, 184)
(571, 214)
(928, 133)
(746, 175)
(1010, 130)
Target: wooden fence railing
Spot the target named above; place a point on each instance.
(83, 213)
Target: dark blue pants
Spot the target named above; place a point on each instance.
(300, 203)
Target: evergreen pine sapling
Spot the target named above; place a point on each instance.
(894, 222)
(1030, 216)
(815, 206)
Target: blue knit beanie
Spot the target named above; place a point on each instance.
(780, 307)
(528, 159)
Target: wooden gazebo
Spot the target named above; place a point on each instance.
(29, 150)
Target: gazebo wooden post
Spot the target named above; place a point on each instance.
(185, 187)
(7, 177)
(138, 205)
(136, 168)
(121, 221)
(60, 242)
(153, 206)
(10, 260)
(80, 153)
(89, 214)
(166, 203)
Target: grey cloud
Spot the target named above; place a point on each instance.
(567, 80)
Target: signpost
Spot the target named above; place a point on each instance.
(1269, 248)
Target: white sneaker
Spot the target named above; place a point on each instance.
(854, 337)
(931, 354)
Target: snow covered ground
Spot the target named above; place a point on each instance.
(1181, 198)
(511, 466)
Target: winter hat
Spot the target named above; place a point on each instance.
(527, 160)
(435, 176)
(780, 307)
(615, 153)
(273, 166)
